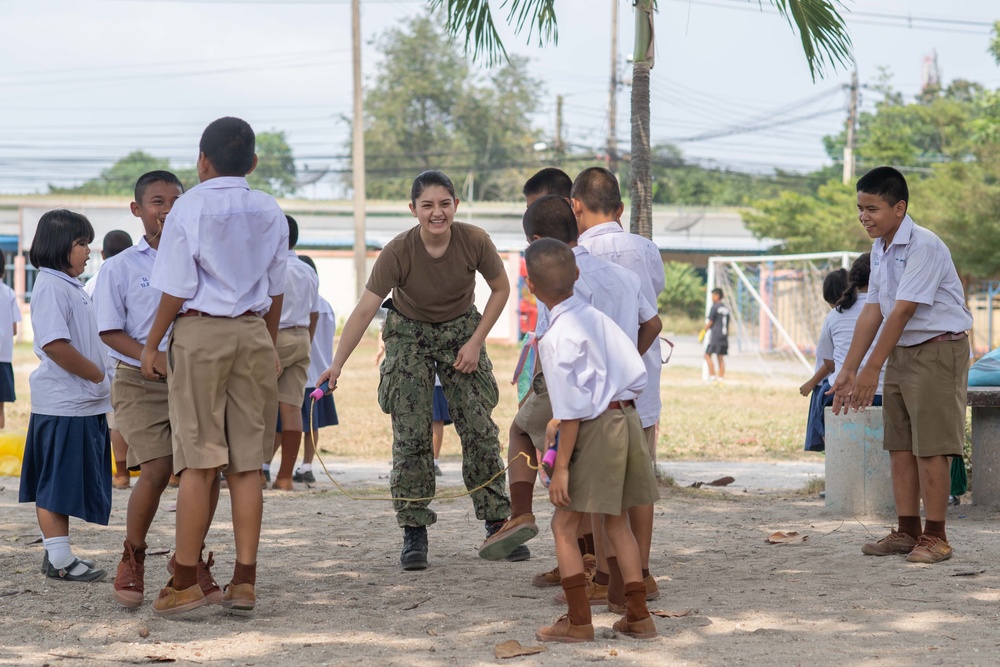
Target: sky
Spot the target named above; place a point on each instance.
(84, 82)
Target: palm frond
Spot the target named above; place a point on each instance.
(474, 20)
(821, 28)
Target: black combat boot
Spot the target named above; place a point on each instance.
(414, 555)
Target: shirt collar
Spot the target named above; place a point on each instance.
(579, 250)
(602, 229)
(292, 255)
(222, 183)
(572, 303)
(65, 276)
(144, 247)
(902, 236)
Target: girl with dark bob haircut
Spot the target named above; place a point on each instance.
(57, 232)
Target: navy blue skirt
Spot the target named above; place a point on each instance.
(441, 406)
(7, 383)
(325, 413)
(67, 466)
(816, 426)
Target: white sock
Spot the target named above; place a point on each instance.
(436, 462)
(61, 555)
(305, 467)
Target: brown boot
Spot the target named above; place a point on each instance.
(239, 598)
(129, 586)
(576, 626)
(637, 622)
(211, 590)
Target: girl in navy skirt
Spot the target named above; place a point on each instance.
(66, 469)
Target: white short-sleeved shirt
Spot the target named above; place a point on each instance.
(321, 353)
(10, 314)
(588, 362)
(835, 339)
(125, 298)
(301, 294)
(917, 266)
(91, 285)
(638, 254)
(224, 249)
(612, 289)
(61, 310)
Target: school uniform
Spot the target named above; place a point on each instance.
(10, 315)
(293, 344)
(440, 405)
(926, 375)
(126, 301)
(66, 467)
(594, 374)
(324, 412)
(431, 316)
(224, 249)
(613, 290)
(641, 256)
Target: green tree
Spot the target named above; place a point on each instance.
(820, 27)
(426, 110)
(275, 172)
(683, 290)
(118, 179)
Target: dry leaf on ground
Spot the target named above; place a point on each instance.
(671, 614)
(513, 649)
(781, 537)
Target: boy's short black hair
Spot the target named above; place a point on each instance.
(834, 286)
(549, 181)
(114, 242)
(229, 144)
(551, 266)
(597, 189)
(157, 176)
(309, 260)
(887, 183)
(718, 292)
(293, 231)
(550, 217)
(55, 235)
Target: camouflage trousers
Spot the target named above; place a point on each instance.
(414, 351)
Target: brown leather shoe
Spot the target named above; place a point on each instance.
(511, 535)
(565, 632)
(596, 593)
(652, 590)
(174, 482)
(930, 549)
(173, 602)
(893, 543)
(129, 586)
(212, 591)
(239, 598)
(121, 482)
(643, 629)
(552, 578)
(283, 484)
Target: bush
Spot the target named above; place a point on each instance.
(683, 290)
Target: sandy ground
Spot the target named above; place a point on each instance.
(331, 591)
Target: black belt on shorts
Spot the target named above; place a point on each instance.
(197, 313)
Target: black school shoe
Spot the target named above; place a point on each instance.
(520, 553)
(306, 477)
(89, 575)
(47, 566)
(414, 554)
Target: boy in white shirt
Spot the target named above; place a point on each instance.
(594, 375)
(916, 297)
(10, 315)
(221, 267)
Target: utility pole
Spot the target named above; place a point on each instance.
(852, 121)
(560, 148)
(358, 157)
(612, 159)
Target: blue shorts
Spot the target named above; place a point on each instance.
(324, 414)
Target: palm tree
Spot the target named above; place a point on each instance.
(825, 43)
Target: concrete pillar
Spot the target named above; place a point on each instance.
(985, 455)
(858, 477)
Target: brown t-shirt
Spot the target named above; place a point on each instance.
(434, 290)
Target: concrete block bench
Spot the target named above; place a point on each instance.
(985, 404)
(858, 477)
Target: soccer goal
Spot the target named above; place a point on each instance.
(776, 303)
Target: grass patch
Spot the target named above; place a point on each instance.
(814, 486)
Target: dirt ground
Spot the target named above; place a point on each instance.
(331, 591)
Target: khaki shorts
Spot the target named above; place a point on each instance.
(293, 352)
(223, 393)
(143, 415)
(923, 398)
(112, 424)
(650, 434)
(535, 413)
(610, 470)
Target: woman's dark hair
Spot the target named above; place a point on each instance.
(55, 235)
(834, 286)
(429, 179)
(858, 277)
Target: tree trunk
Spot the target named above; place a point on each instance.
(641, 169)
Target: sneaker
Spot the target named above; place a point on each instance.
(596, 593)
(437, 470)
(91, 574)
(565, 632)
(502, 537)
(212, 591)
(46, 565)
(414, 554)
(519, 554)
(306, 477)
(930, 549)
(239, 598)
(893, 543)
(129, 586)
(172, 602)
(642, 629)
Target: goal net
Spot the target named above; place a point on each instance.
(776, 305)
